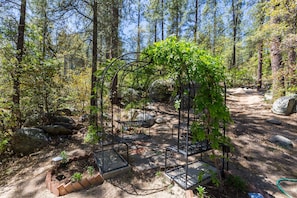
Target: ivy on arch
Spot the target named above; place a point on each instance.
(187, 62)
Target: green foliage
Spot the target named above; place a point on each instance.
(177, 104)
(92, 135)
(76, 177)
(185, 61)
(237, 182)
(158, 174)
(90, 170)
(201, 192)
(76, 89)
(64, 156)
(3, 143)
(39, 90)
(6, 123)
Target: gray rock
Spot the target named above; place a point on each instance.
(129, 95)
(274, 121)
(160, 120)
(160, 90)
(84, 118)
(28, 140)
(281, 141)
(63, 119)
(146, 119)
(66, 125)
(285, 105)
(33, 120)
(56, 130)
(64, 111)
(268, 96)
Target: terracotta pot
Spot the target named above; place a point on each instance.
(96, 179)
(189, 194)
(77, 186)
(62, 190)
(68, 187)
(84, 182)
(54, 188)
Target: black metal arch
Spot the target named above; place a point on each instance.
(129, 63)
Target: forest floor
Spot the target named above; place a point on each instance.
(255, 159)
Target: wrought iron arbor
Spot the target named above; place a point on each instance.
(125, 82)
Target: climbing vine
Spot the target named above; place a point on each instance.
(187, 63)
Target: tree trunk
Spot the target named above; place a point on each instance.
(93, 100)
(138, 28)
(115, 49)
(177, 20)
(16, 111)
(292, 66)
(162, 23)
(276, 66)
(115, 29)
(214, 28)
(260, 66)
(196, 20)
(234, 21)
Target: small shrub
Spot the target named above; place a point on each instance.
(237, 183)
(92, 136)
(64, 156)
(201, 192)
(76, 177)
(90, 170)
(158, 174)
(3, 144)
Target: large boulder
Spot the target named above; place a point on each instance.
(63, 119)
(161, 90)
(146, 120)
(129, 95)
(33, 120)
(46, 119)
(285, 105)
(56, 130)
(186, 99)
(28, 140)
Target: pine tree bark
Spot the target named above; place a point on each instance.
(260, 66)
(162, 23)
(292, 66)
(276, 66)
(93, 101)
(234, 21)
(16, 111)
(115, 49)
(196, 20)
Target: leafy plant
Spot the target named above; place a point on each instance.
(158, 174)
(187, 63)
(201, 191)
(237, 182)
(90, 170)
(92, 135)
(76, 177)
(64, 156)
(3, 144)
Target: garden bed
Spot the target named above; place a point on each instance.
(76, 174)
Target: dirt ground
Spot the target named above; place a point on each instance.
(255, 159)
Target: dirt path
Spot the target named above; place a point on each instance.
(255, 159)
